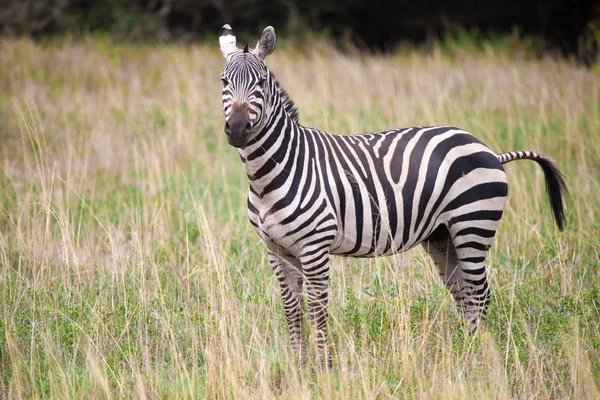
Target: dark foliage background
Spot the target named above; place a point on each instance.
(571, 26)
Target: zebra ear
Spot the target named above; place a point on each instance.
(266, 43)
(227, 41)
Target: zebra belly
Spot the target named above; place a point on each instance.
(374, 242)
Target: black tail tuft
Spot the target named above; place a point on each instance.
(555, 181)
(556, 188)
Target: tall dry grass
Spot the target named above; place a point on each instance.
(128, 267)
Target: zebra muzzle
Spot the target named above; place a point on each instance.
(238, 133)
(238, 127)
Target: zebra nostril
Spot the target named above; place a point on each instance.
(248, 126)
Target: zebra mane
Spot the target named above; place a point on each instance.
(286, 101)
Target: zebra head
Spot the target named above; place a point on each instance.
(246, 85)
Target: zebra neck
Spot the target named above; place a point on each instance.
(265, 156)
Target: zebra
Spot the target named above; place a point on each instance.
(313, 194)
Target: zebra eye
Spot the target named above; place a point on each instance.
(225, 81)
(262, 80)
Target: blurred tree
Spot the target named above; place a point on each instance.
(371, 23)
(31, 17)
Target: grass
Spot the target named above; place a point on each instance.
(129, 269)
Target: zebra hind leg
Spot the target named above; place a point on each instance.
(471, 250)
(462, 272)
(288, 273)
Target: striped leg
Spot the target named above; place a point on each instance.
(441, 250)
(288, 273)
(472, 235)
(471, 258)
(316, 272)
(463, 276)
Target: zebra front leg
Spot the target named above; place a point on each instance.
(288, 273)
(316, 272)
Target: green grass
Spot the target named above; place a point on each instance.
(128, 267)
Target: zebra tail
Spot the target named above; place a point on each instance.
(555, 180)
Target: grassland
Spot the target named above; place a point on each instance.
(128, 267)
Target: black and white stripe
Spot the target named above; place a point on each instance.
(313, 194)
